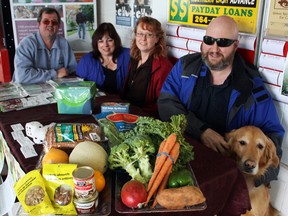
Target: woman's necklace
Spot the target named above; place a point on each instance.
(107, 64)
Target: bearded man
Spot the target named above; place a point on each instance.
(218, 92)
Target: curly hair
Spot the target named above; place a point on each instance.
(153, 25)
(102, 29)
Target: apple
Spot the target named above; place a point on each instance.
(133, 194)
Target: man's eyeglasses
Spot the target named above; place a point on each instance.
(221, 42)
(147, 35)
(53, 22)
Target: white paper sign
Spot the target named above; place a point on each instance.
(177, 42)
(28, 151)
(247, 42)
(17, 135)
(172, 30)
(272, 61)
(194, 45)
(270, 76)
(25, 142)
(191, 33)
(275, 47)
(17, 127)
(177, 53)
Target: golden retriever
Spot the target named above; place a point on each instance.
(254, 152)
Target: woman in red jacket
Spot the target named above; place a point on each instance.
(149, 65)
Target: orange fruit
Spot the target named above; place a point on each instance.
(100, 181)
(54, 156)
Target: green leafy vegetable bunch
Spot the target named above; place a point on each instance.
(134, 150)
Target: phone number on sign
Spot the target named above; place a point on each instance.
(205, 20)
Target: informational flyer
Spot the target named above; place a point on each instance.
(278, 19)
(123, 13)
(142, 8)
(129, 11)
(201, 12)
(25, 12)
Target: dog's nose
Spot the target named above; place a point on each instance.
(249, 165)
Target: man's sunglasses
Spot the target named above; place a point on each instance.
(221, 42)
(53, 22)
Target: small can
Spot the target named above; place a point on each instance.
(88, 206)
(84, 183)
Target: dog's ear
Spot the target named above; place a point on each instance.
(270, 153)
(229, 136)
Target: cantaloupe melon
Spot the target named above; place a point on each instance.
(91, 154)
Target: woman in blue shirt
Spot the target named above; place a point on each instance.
(107, 65)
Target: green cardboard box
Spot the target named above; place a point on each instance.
(76, 97)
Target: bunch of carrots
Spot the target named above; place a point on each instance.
(167, 156)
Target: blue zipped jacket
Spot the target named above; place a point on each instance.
(250, 102)
(91, 69)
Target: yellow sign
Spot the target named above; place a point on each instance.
(201, 12)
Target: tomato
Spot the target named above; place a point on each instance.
(133, 194)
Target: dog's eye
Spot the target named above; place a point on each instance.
(242, 142)
(260, 146)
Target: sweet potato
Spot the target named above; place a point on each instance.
(178, 198)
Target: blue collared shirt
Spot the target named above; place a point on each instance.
(34, 63)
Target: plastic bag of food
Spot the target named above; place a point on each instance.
(68, 135)
(60, 186)
(31, 193)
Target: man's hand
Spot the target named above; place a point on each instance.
(62, 72)
(214, 140)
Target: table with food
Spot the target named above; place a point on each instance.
(113, 159)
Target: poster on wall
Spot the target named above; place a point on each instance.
(129, 11)
(200, 13)
(78, 20)
(123, 13)
(278, 18)
(141, 8)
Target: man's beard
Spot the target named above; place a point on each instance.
(221, 65)
(51, 36)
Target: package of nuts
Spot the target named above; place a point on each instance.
(60, 187)
(31, 193)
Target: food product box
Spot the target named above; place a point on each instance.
(115, 107)
(76, 97)
(123, 121)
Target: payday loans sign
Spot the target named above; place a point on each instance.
(201, 12)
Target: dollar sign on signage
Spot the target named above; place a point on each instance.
(174, 9)
(183, 10)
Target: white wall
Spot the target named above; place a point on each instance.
(106, 13)
(279, 191)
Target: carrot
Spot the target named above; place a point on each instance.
(167, 146)
(165, 168)
(161, 147)
(162, 184)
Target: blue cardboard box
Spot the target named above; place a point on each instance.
(115, 107)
